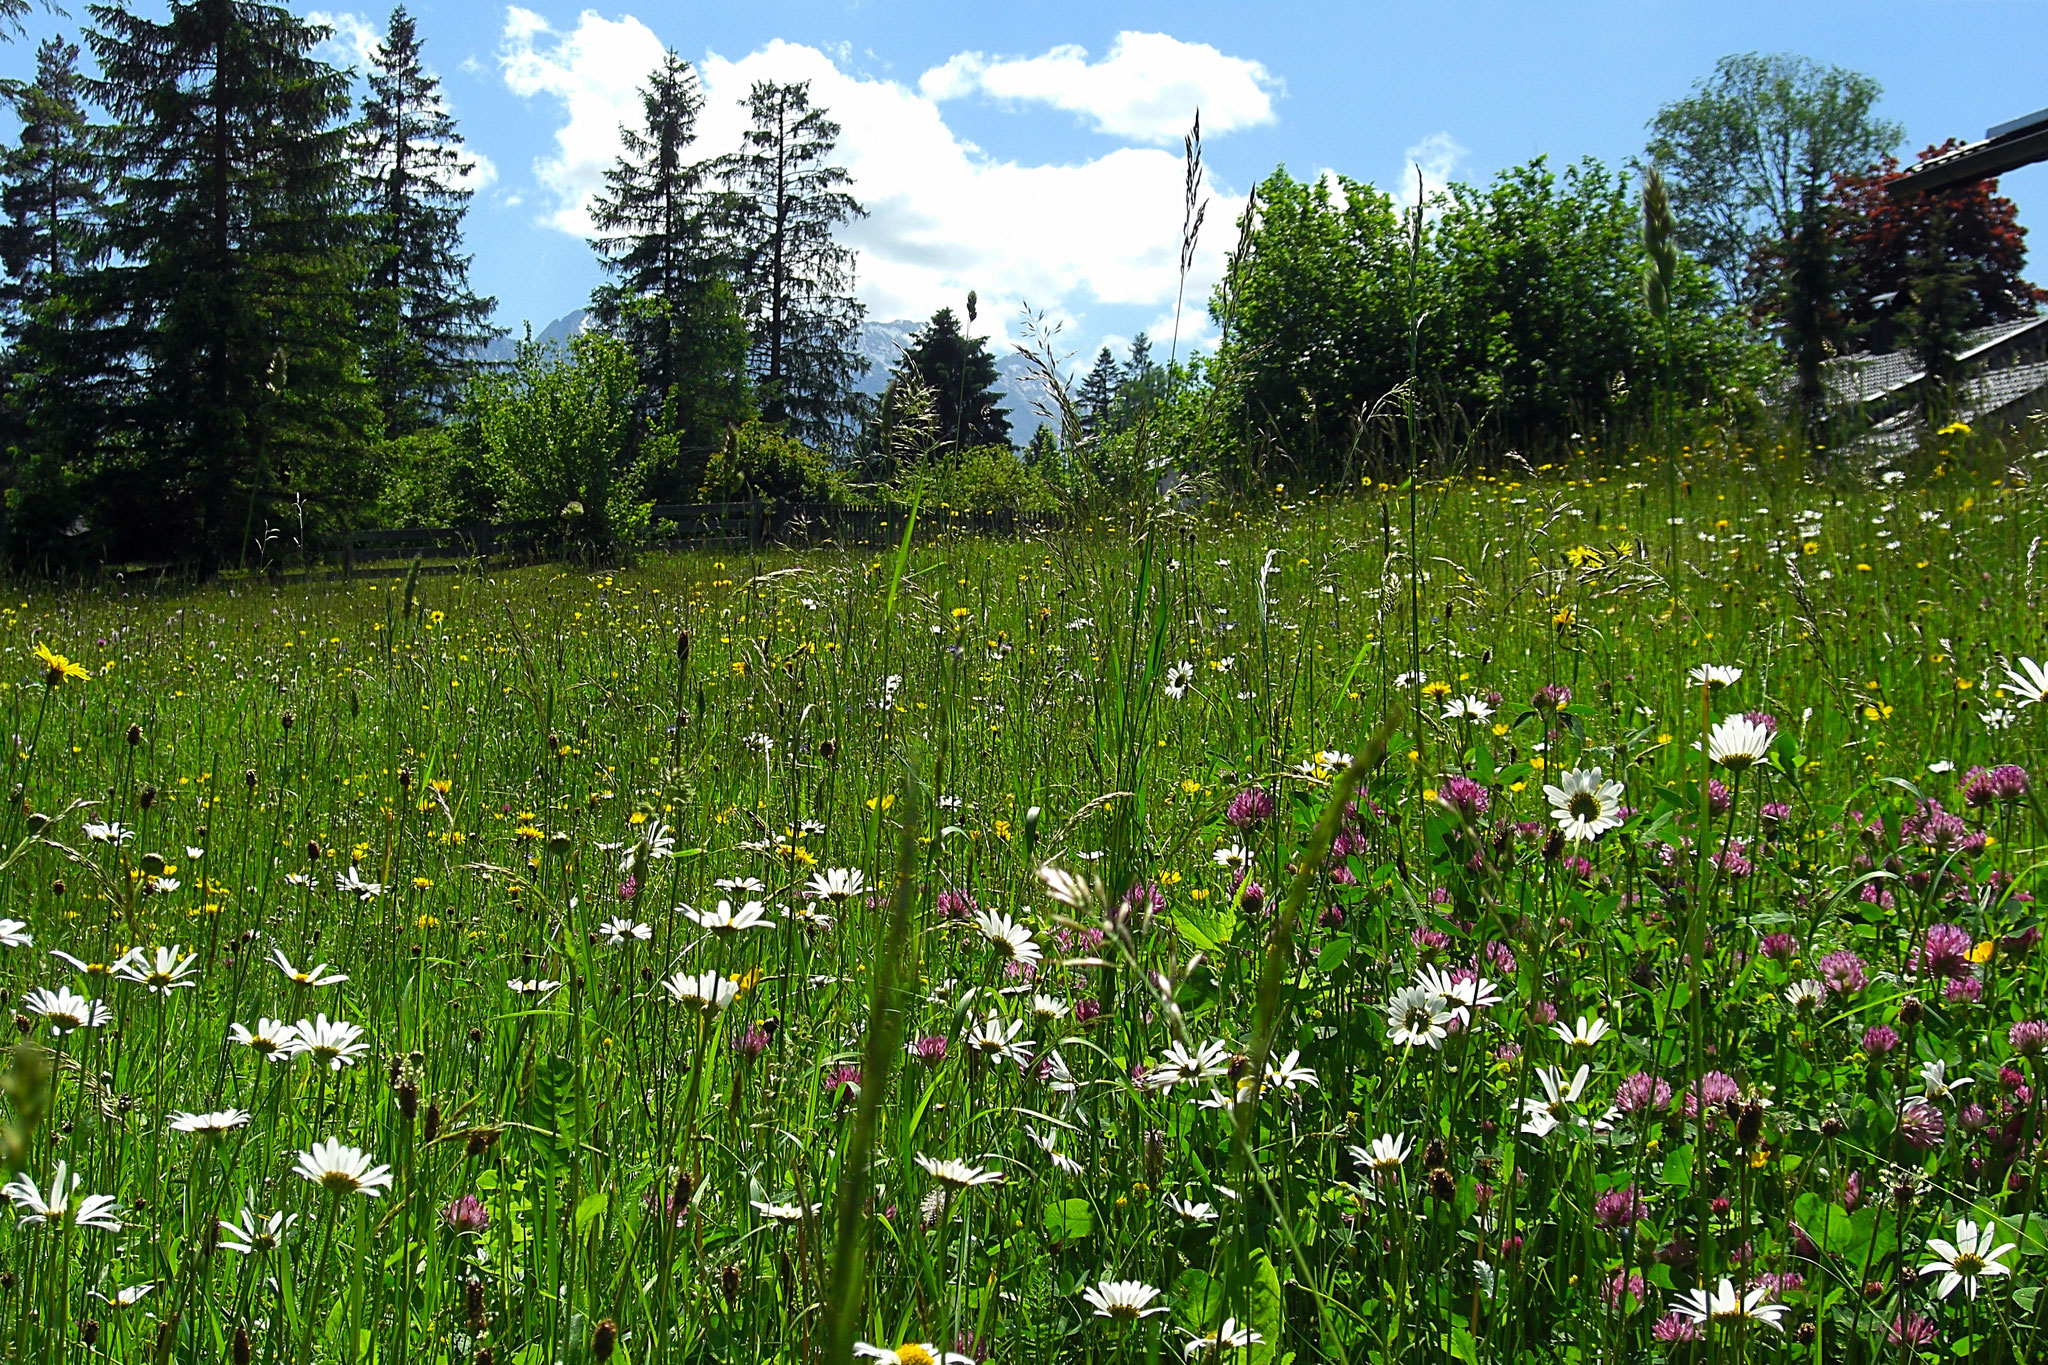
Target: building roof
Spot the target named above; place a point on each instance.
(2007, 146)
(1868, 380)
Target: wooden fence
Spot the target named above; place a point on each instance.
(676, 526)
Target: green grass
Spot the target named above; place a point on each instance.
(949, 719)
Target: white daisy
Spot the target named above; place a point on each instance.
(958, 1174)
(1416, 1016)
(836, 884)
(255, 1235)
(212, 1124)
(707, 992)
(1968, 1259)
(1181, 1067)
(1232, 857)
(1385, 1156)
(1936, 1081)
(1127, 1300)
(65, 1009)
(316, 975)
(1013, 938)
(1715, 676)
(52, 1208)
(1728, 1309)
(1467, 708)
(725, 920)
(343, 1170)
(352, 883)
(1737, 742)
(159, 972)
(1228, 1337)
(784, 1213)
(1543, 1116)
(2031, 685)
(540, 988)
(271, 1038)
(15, 934)
(995, 1039)
(1808, 994)
(1585, 804)
(616, 932)
(1178, 678)
(1190, 1210)
(332, 1043)
(1587, 1032)
(911, 1353)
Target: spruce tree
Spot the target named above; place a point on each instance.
(423, 326)
(50, 192)
(796, 281)
(668, 300)
(959, 375)
(232, 250)
(1098, 396)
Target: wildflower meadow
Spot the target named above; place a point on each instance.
(1527, 917)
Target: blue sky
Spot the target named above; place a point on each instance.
(1031, 152)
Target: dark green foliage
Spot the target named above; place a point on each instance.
(1532, 321)
(1745, 148)
(1811, 324)
(1937, 312)
(1097, 395)
(50, 192)
(554, 434)
(761, 461)
(423, 326)
(786, 198)
(668, 298)
(1537, 319)
(228, 286)
(959, 374)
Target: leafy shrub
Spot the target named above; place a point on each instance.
(760, 460)
(554, 432)
(980, 479)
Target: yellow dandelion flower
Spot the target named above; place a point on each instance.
(57, 667)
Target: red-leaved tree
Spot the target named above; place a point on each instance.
(1886, 246)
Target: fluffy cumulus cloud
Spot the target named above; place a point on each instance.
(351, 38)
(1431, 164)
(1146, 89)
(594, 73)
(943, 216)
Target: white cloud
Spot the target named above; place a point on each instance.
(352, 41)
(943, 217)
(595, 71)
(1436, 159)
(1148, 87)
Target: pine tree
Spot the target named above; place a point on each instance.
(50, 193)
(1098, 396)
(668, 299)
(959, 375)
(796, 281)
(231, 272)
(1811, 322)
(423, 326)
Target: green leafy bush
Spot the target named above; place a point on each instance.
(760, 460)
(554, 433)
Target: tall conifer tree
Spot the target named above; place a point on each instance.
(668, 299)
(423, 325)
(233, 251)
(50, 192)
(959, 374)
(796, 280)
